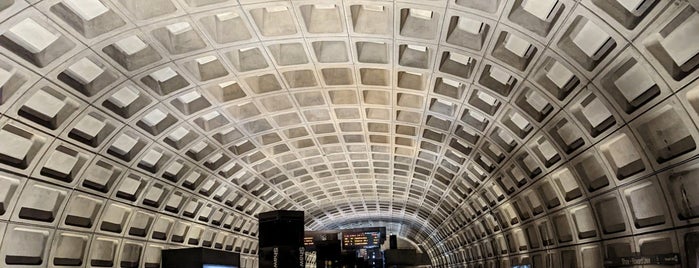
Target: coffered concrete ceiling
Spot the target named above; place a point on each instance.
(484, 130)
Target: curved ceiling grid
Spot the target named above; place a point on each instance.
(407, 229)
(458, 116)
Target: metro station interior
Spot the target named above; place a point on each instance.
(483, 133)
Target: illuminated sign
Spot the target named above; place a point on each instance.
(660, 259)
(308, 241)
(218, 266)
(358, 240)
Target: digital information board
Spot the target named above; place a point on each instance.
(661, 259)
(308, 241)
(359, 240)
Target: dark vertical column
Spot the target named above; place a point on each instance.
(393, 242)
(281, 239)
(329, 254)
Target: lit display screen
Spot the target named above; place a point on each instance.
(358, 240)
(308, 241)
(218, 266)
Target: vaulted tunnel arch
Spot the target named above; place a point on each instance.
(556, 133)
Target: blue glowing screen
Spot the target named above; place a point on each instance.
(217, 266)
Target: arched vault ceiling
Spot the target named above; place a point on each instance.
(408, 229)
(461, 119)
